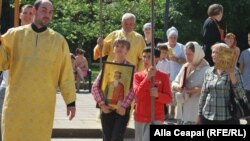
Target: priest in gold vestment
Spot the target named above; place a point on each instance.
(38, 61)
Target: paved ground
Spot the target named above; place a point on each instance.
(86, 124)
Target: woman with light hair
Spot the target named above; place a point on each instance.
(188, 83)
(214, 101)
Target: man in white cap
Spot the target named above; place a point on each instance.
(176, 60)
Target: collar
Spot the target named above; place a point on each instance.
(123, 62)
(34, 27)
(215, 72)
(125, 33)
(202, 64)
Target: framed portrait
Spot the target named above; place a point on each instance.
(116, 81)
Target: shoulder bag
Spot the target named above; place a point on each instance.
(238, 108)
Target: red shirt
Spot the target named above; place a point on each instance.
(142, 96)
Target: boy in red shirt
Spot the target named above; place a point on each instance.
(144, 91)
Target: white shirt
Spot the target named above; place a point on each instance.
(163, 66)
(175, 67)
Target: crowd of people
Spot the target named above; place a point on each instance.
(183, 80)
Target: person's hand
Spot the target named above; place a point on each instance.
(71, 112)
(178, 88)
(151, 72)
(231, 73)
(154, 92)
(121, 111)
(105, 109)
(173, 58)
(198, 120)
(230, 70)
(100, 41)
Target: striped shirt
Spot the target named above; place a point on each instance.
(99, 96)
(214, 99)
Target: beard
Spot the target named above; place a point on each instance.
(42, 22)
(116, 82)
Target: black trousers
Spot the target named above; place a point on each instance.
(248, 98)
(114, 125)
(248, 95)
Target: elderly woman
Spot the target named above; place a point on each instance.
(176, 60)
(188, 83)
(214, 100)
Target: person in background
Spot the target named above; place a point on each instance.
(136, 40)
(31, 52)
(214, 100)
(230, 40)
(73, 62)
(143, 92)
(114, 121)
(148, 36)
(211, 30)
(163, 65)
(188, 83)
(245, 70)
(26, 16)
(81, 66)
(176, 55)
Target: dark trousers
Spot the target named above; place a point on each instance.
(248, 95)
(114, 125)
(231, 121)
(248, 98)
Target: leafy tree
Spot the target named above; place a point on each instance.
(78, 20)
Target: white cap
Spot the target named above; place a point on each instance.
(147, 25)
(172, 31)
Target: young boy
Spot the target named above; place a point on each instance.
(114, 122)
(144, 91)
(163, 65)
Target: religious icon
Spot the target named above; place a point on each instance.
(116, 81)
(226, 59)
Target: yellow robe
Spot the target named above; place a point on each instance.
(38, 64)
(134, 55)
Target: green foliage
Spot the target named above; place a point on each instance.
(78, 20)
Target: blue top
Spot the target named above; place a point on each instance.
(244, 60)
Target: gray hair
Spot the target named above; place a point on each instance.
(128, 16)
